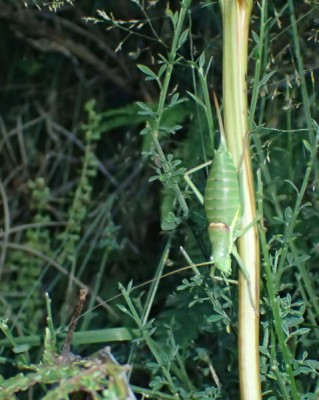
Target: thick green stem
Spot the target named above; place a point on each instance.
(236, 15)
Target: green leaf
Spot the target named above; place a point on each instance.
(214, 318)
(309, 396)
(300, 332)
(170, 222)
(288, 214)
(146, 131)
(313, 364)
(182, 38)
(147, 71)
(173, 17)
(201, 61)
(307, 145)
(174, 99)
(21, 348)
(154, 178)
(255, 36)
(172, 130)
(162, 70)
(264, 351)
(124, 310)
(197, 99)
(146, 109)
(266, 78)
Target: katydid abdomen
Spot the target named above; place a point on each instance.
(222, 205)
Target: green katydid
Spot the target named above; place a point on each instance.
(222, 202)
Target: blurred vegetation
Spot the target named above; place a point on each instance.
(80, 208)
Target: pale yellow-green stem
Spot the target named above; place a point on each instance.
(236, 16)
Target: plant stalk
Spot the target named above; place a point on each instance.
(185, 4)
(236, 16)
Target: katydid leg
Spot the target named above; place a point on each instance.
(246, 276)
(190, 183)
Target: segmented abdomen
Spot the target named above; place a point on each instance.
(221, 198)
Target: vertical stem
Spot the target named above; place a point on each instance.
(185, 4)
(274, 304)
(236, 15)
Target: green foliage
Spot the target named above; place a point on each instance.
(77, 212)
(25, 266)
(84, 196)
(100, 375)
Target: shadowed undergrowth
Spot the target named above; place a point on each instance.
(91, 199)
